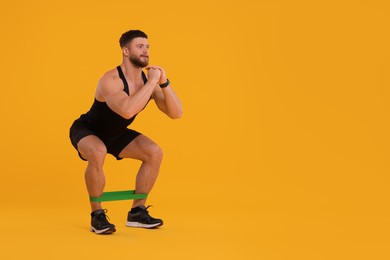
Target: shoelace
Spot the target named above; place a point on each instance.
(146, 209)
(103, 216)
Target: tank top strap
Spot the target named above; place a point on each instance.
(145, 79)
(122, 76)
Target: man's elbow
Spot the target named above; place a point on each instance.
(127, 114)
(176, 115)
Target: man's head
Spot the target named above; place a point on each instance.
(135, 47)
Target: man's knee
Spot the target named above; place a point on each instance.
(95, 154)
(155, 153)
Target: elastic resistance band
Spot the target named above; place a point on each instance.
(118, 195)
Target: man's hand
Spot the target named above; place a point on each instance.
(163, 77)
(154, 74)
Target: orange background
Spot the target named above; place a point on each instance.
(282, 152)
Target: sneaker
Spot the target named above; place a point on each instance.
(139, 217)
(100, 224)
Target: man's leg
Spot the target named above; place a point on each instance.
(144, 149)
(94, 151)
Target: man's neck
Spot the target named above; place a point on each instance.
(131, 71)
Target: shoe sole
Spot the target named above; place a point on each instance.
(141, 225)
(102, 231)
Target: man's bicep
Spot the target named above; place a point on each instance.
(115, 98)
(113, 95)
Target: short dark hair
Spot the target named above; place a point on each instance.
(130, 35)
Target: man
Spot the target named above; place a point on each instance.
(120, 95)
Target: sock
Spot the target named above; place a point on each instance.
(136, 209)
(96, 212)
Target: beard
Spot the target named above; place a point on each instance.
(138, 62)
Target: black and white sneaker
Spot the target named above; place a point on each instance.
(139, 217)
(100, 224)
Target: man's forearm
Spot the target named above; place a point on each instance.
(172, 102)
(135, 103)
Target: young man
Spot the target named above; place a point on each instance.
(120, 95)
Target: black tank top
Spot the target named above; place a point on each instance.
(105, 121)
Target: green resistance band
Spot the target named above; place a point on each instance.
(118, 195)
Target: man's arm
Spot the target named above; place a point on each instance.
(122, 104)
(166, 99)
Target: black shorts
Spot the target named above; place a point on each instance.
(114, 144)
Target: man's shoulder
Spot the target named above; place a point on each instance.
(110, 75)
(110, 79)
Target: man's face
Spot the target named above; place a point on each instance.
(139, 52)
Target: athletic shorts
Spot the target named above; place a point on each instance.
(114, 144)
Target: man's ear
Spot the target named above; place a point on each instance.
(125, 51)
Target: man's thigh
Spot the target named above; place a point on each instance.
(140, 148)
